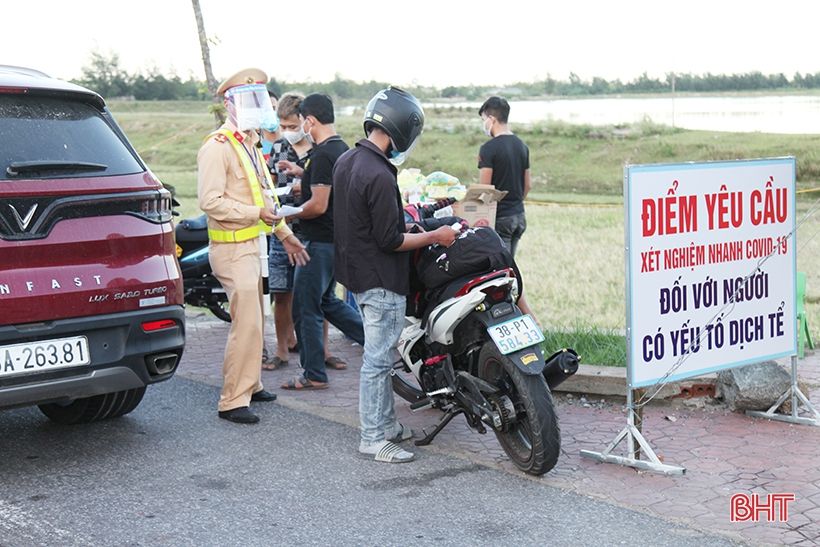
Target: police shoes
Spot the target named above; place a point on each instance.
(241, 415)
(263, 396)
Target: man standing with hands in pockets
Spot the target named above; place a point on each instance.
(235, 192)
(371, 256)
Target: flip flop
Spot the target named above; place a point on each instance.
(335, 363)
(301, 383)
(274, 363)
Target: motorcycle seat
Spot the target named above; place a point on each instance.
(197, 223)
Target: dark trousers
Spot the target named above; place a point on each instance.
(314, 300)
(510, 229)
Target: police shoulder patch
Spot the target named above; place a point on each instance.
(219, 137)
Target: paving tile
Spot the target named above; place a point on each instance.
(724, 452)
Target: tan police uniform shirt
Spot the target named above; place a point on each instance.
(223, 189)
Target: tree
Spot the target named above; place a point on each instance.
(206, 61)
(105, 76)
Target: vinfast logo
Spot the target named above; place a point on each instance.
(750, 507)
(23, 221)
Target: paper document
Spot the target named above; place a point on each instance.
(283, 191)
(287, 210)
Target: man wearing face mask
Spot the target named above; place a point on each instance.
(235, 191)
(288, 157)
(270, 132)
(504, 162)
(372, 260)
(314, 284)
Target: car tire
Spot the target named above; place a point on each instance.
(91, 409)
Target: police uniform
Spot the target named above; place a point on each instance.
(232, 186)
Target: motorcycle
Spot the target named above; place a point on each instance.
(472, 351)
(201, 287)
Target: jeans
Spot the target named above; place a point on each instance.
(280, 270)
(314, 300)
(383, 315)
(510, 229)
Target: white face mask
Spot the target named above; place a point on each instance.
(294, 136)
(488, 128)
(306, 133)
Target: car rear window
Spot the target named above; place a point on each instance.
(45, 129)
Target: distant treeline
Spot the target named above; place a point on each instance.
(104, 75)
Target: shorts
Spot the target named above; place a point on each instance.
(280, 273)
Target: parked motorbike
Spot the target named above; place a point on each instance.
(472, 351)
(201, 287)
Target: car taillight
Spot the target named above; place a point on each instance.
(157, 209)
(14, 90)
(161, 324)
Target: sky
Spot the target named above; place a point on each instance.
(423, 42)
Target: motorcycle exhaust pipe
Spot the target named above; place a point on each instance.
(560, 366)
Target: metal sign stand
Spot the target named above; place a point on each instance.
(633, 459)
(797, 396)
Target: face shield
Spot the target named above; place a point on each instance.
(252, 106)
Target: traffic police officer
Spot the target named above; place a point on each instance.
(235, 191)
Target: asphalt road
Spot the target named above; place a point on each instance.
(171, 473)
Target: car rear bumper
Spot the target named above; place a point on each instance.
(123, 356)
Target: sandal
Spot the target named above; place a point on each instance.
(386, 452)
(302, 383)
(335, 363)
(274, 363)
(402, 433)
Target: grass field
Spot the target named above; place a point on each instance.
(572, 254)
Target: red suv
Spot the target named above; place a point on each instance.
(90, 289)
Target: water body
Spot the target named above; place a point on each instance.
(792, 114)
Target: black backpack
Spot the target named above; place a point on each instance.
(475, 251)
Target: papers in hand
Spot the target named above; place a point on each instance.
(286, 211)
(283, 191)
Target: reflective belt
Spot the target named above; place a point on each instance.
(251, 232)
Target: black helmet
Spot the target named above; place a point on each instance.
(399, 114)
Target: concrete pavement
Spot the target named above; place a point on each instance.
(171, 473)
(724, 453)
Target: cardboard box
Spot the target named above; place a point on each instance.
(479, 205)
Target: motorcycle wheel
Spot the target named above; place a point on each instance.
(221, 310)
(533, 441)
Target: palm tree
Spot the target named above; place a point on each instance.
(206, 60)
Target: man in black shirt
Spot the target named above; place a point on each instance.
(504, 162)
(371, 258)
(314, 286)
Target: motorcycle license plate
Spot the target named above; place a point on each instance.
(44, 355)
(516, 334)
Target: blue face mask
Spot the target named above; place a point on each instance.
(267, 147)
(270, 121)
(397, 158)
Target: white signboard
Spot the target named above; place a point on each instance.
(711, 263)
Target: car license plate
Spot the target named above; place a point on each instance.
(516, 334)
(44, 355)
